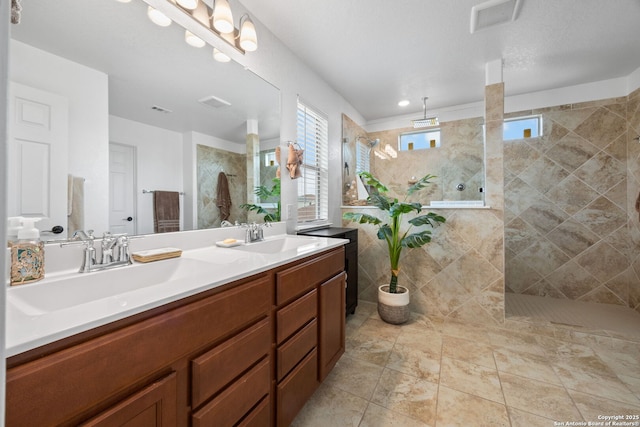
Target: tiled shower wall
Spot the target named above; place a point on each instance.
(566, 198)
(633, 196)
(210, 162)
(460, 274)
(459, 160)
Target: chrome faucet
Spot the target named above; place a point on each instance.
(255, 232)
(115, 250)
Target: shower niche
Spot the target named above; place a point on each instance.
(452, 151)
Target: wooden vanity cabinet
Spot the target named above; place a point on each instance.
(310, 304)
(109, 373)
(247, 354)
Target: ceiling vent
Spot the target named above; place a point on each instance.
(493, 12)
(160, 109)
(214, 102)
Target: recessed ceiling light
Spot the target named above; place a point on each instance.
(403, 103)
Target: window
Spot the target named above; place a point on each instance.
(313, 186)
(362, 156)
(419, 140)
(522, 127)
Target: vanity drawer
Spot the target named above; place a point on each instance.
(292, 351)
(296, 389)
(299, 279)
(260, 416)
(294, 316)
(237, 400)
(219, 366)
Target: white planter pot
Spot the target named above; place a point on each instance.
(393, 308)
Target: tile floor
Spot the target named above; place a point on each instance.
(426, 373)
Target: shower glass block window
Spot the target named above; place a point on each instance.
(522, 127)
(419, 140)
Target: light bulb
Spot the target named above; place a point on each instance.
(219, 56)
(193, 40)
(222, 17)
(124, 1)
(188, 4)
(248, 37)
(158, 17)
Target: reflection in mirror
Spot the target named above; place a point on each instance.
(143, 111)
(453, 151)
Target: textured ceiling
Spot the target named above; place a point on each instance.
(376, 52)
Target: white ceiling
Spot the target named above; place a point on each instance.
(376, 52)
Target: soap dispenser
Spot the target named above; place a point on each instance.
(27, 254)
(14, 225)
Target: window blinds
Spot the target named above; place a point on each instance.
(313, 186)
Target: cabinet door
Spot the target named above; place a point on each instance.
(153, 406)
(331, 341)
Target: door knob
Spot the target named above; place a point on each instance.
(129, 218)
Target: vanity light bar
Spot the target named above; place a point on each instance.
(214, 26)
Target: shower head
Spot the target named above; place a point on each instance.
(371, 142)
(425, 121)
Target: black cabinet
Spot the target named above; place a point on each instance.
(350, 261)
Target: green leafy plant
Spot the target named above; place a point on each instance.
(391, 231)
(264, 193)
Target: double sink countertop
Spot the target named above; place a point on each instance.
(66, 302)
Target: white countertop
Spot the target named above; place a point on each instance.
(54, 308)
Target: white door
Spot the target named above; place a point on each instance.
(37, 157)
(122, 205)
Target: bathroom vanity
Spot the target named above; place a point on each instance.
(248, 352)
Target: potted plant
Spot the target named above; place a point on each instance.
(264, 194)
(393, 300)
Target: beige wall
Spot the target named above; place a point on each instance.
(566, 196)
(460, 274)
(633, 194)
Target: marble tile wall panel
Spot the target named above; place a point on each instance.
(210, 162)
(459, 275)
(633, 194)
(567, 194)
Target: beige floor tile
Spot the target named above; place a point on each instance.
(377, 416)
(369, 348)
(330, 406)
(468, 351)
(415, 362)
(517, 341)
(526, 365)
(407, 395)
(622, 363)
(380, 329)
(355, 376)
(525, 419)
(461, 409)
(611, 388)
(424, 339)
(591, 406)
(633, 383)
(470, 332)
(471, 378)
(545, 400)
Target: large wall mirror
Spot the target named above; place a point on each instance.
(131, 109)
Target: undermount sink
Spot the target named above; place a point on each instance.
(279, 244)
(81, 288)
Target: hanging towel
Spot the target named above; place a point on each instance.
(75, 204)
(294, 161)
(223, 198)
(166, 211)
